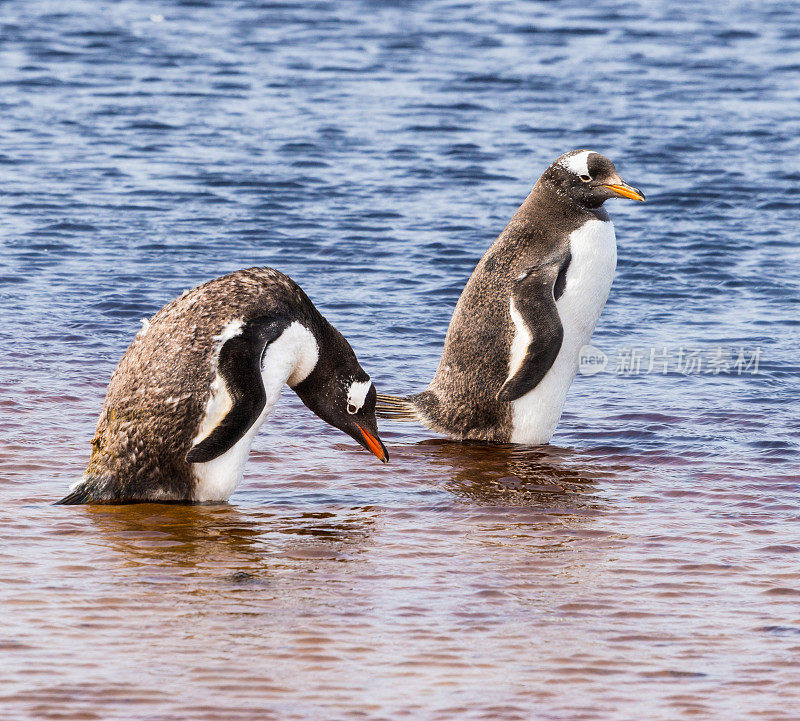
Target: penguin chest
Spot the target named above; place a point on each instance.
(588, 281)
(589, 277)
(289, 358)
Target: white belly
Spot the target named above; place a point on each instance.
(589, 277)
(293, 355)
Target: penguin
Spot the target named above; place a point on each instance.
(513, 344)
(202, 375)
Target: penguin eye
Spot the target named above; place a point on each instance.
(351, 409)
(585, 178)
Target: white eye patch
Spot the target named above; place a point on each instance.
(577, 163)
(357, 395)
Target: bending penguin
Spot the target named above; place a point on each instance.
(512, 348)
(203, 374)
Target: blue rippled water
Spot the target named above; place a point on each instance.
(373, 150)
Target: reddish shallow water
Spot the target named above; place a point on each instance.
(463, 582)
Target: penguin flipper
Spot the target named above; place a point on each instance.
(534, 305)
(239, 365)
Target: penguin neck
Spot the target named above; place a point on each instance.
(288, 360)
(313, 386)
(299, 353)
(545, 196)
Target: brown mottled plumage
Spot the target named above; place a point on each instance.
(158, 393)
(464, 399)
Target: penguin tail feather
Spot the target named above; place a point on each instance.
(76, 497)
(396, 408)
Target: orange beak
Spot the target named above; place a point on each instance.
(374, 444)
(623, 190)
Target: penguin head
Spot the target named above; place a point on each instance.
(340, 392)
(587, 179)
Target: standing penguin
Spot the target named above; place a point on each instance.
(203, 374)
(512, 348)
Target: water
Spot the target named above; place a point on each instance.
(644, 566)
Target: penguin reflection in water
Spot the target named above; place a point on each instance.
(203, 374)
(513, 345)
